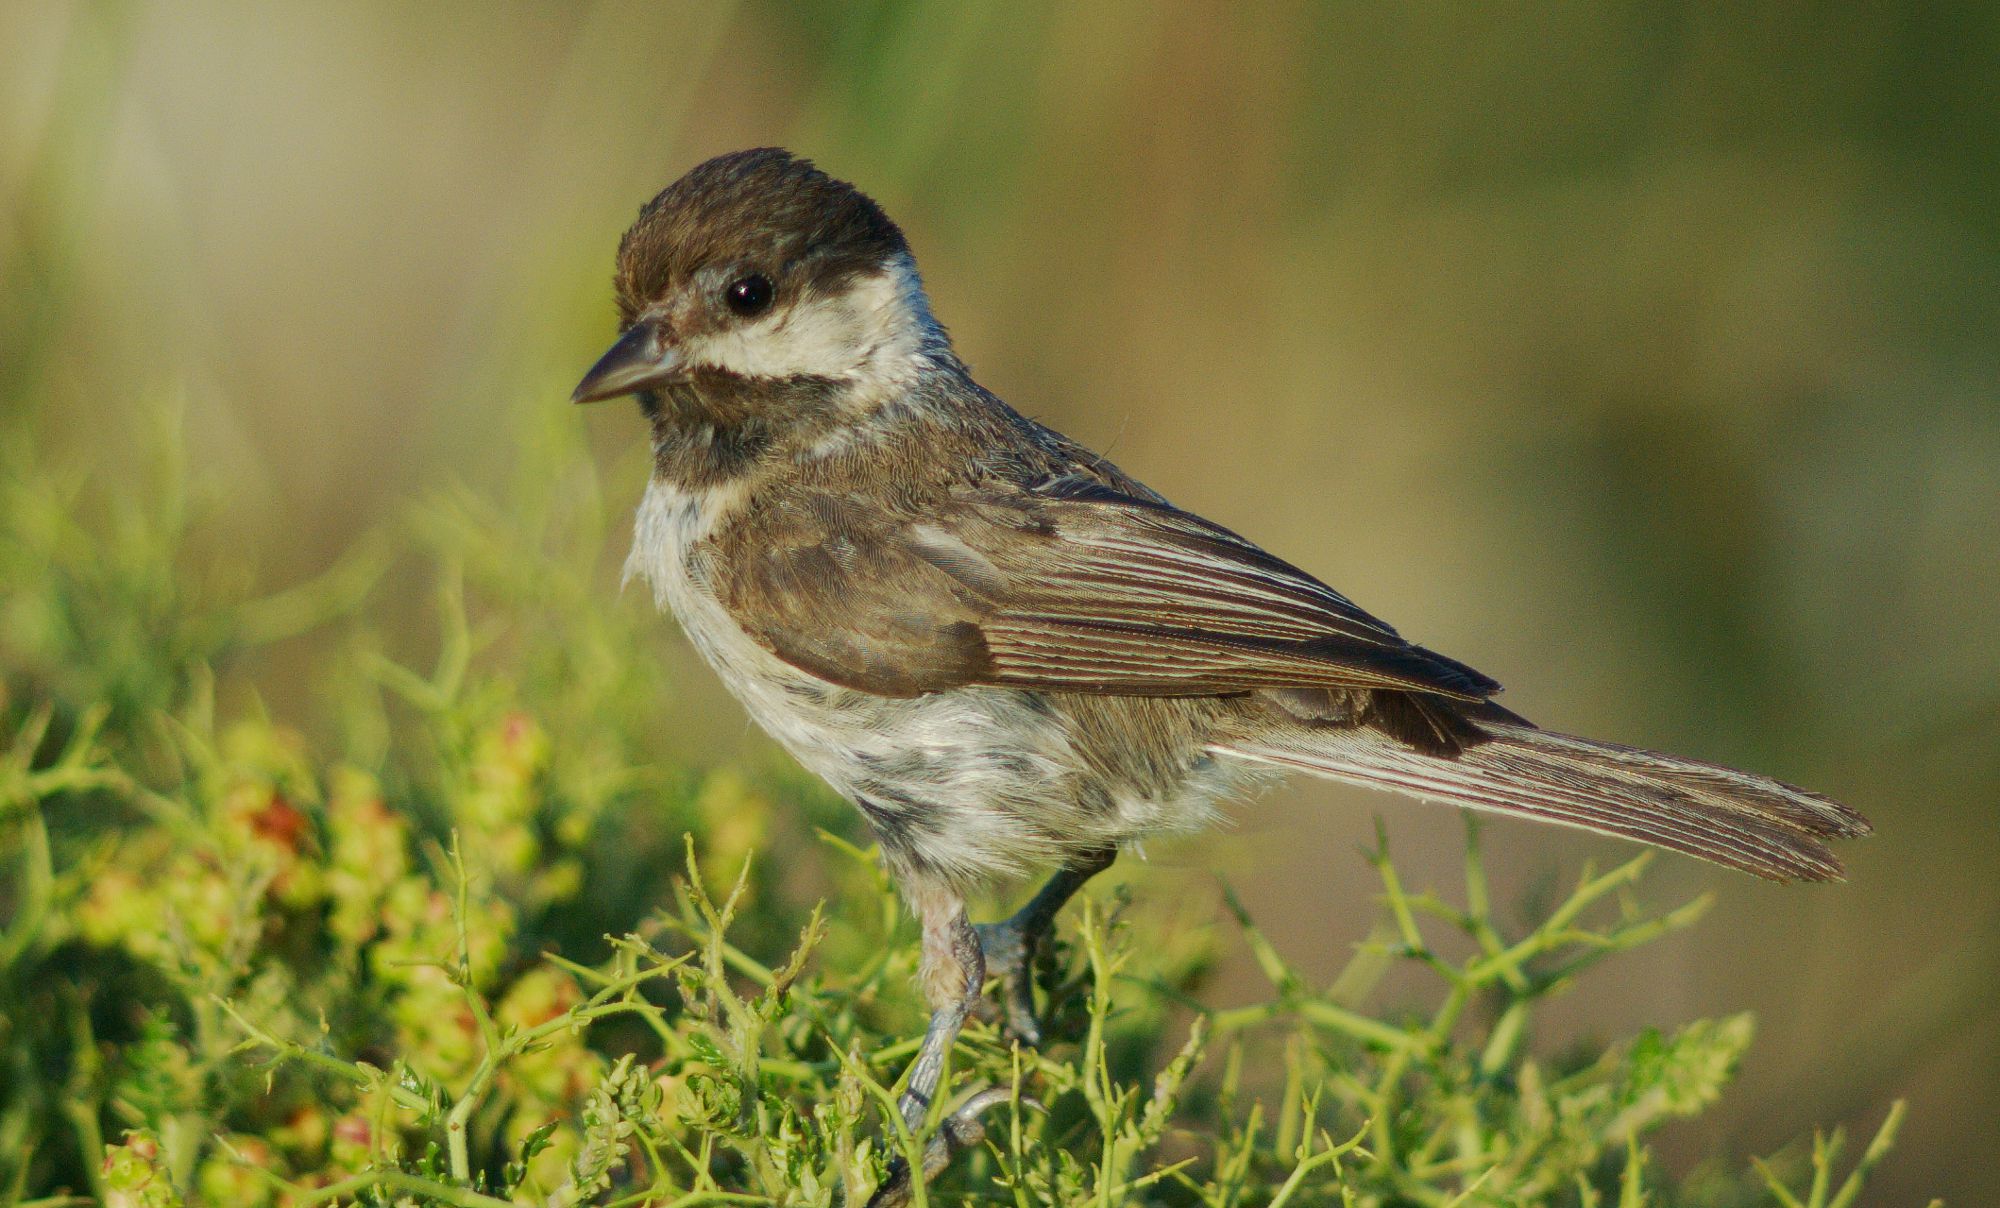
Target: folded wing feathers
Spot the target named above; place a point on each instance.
(1034, 650)
(1136, 597)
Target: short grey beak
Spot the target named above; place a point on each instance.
(640, 359)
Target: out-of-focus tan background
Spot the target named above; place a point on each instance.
(1645, 356)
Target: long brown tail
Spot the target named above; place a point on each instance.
(1734, 818)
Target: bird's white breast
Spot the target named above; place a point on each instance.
(670, 524)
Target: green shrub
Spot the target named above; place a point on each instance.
(240, 965)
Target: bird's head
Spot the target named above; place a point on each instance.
(757, 269)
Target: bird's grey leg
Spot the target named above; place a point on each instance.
(955, 958)
(1009, 946)
(952, 973)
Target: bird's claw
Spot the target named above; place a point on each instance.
(961, 1130)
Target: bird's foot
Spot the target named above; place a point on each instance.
(961, 1130)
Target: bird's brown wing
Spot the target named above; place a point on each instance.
(1072, 587)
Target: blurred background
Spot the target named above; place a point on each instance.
(1645, 356)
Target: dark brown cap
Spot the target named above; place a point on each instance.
(764, 210)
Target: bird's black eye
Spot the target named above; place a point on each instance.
(749, 295)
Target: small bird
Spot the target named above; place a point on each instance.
(1006, 652)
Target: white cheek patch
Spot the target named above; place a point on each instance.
(878, 331)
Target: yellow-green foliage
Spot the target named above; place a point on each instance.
(244, 966)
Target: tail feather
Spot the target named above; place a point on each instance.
(1732, 818)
